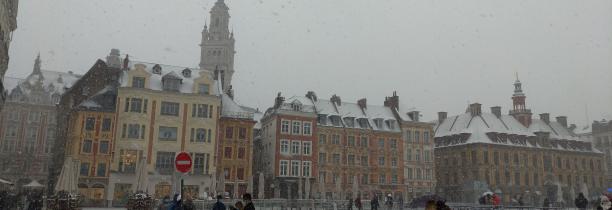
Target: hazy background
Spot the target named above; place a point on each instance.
(438, 55)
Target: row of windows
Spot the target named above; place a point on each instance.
(239, 173)
(139, 105)
(87, 170)
(103, 146)
(414, 137)
(29, 146)
(417, 155)
(603, 141)
(170, 85)
(297, 147)
(90, 124)
(352, 159)
(418, 174)
(296, 169)
(164, 164)
(228, 153)
(525, 160)
(351, 141)
(230, 133)
(33, 116)
(31, 132)
(362, 179)
(137, 131)
(519, 179)
(296, 127)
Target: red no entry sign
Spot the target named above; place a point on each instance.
(182, 162)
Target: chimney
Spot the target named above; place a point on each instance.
(441, 116)
(114, 59)
(336, 100)
(126, 62)
(562, 120)
(393, 101)
(362, 103)
(545, 117)
(496, 110)
(475, 109)
(311, 95)
(414, 115)
(278, 101)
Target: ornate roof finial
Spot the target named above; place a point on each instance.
(36, 69)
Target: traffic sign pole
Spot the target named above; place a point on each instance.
(183, 163)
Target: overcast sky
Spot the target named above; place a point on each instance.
(438, 55)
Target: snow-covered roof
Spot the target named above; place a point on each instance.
(170, 71)
(352, 111)
(468, 128)
(41, 86)
(103, 100)
(231, 109)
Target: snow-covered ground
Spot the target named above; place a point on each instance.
(103, 208)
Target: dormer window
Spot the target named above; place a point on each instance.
(138, 82)
(203, 89)
(391, 124)
(363, 123)
(378, 123)
(171, 82)
(157, 69)
(186, 73)
(322, 119)
(349, 121)
(296, 107)
(335, 120)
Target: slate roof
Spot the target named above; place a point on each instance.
(170, 71)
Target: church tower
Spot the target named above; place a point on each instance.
(217, 47)
(519, 110)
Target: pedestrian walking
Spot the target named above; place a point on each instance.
(350, 203)
(374, 203)
(358, 203)
(389, 202)
(581, 202)
(248, 202)
(400, 203)
(219, 204)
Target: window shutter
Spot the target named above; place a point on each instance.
(127, 104)
(210, 110)
(209, 136)
(191, 138)
(193, 110)
(123, 130)
(142, 132)
(207, 159)
(144, 109)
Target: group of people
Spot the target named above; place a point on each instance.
(491, 199)
(374, 203)
(603, 203)
(245, 204)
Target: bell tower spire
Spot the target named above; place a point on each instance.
(519, 110)
(217, 47)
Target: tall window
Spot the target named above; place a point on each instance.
(306, 148)
(167, 133)
(364, 141)
(135, 104)
(198, 163)
(336, 139)
(295, 147)
(242, 133)
(425, 137)
(306, 168)
(171, 84)
(426, 155)
(417, 155)
(165, 162)
(364, 161)
(34, 117)
(104, 147)
(393, 143)
(394, 162)
(106, 124)
(227, 153)
(285, 126)
(408, 137)
(382, 179)
(496, 157)
(381, 161)
(90, 122)
(198, 135)
(138, 82)
(134, 131)
(336, 158)
(409, 173)
(322, 158)
(296, 127)
(11, 131)
(351, 159)
(284, 146)
(84, 169)
(295, 168)
(241, 153)
(322, 139)
(229, 133)
(170, 108)
(307, 128)
(101, 170)
(240, 173)
(203, 89)
(200, 111)
(350, 141)
(284, 168)
(419, 174)
(32, 132)
(417, 135)
(381, 143)
(87, 145)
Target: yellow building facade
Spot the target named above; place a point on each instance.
(163, 110)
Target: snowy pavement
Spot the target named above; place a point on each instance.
(103, 208)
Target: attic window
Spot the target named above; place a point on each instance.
(363, 123)
(171, 84)
(296, 107)
(157, 69)
(349, 121)
(187, 72)
(322, 119)
(378, 123)
(391, 124)
(335, 120)
(203, 89)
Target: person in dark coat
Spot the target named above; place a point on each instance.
(350, 203)
(219, 204)
(581, 202)
(389, 202)
(546, 203)
(248, 202)
(358, 203)
(374, 203)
